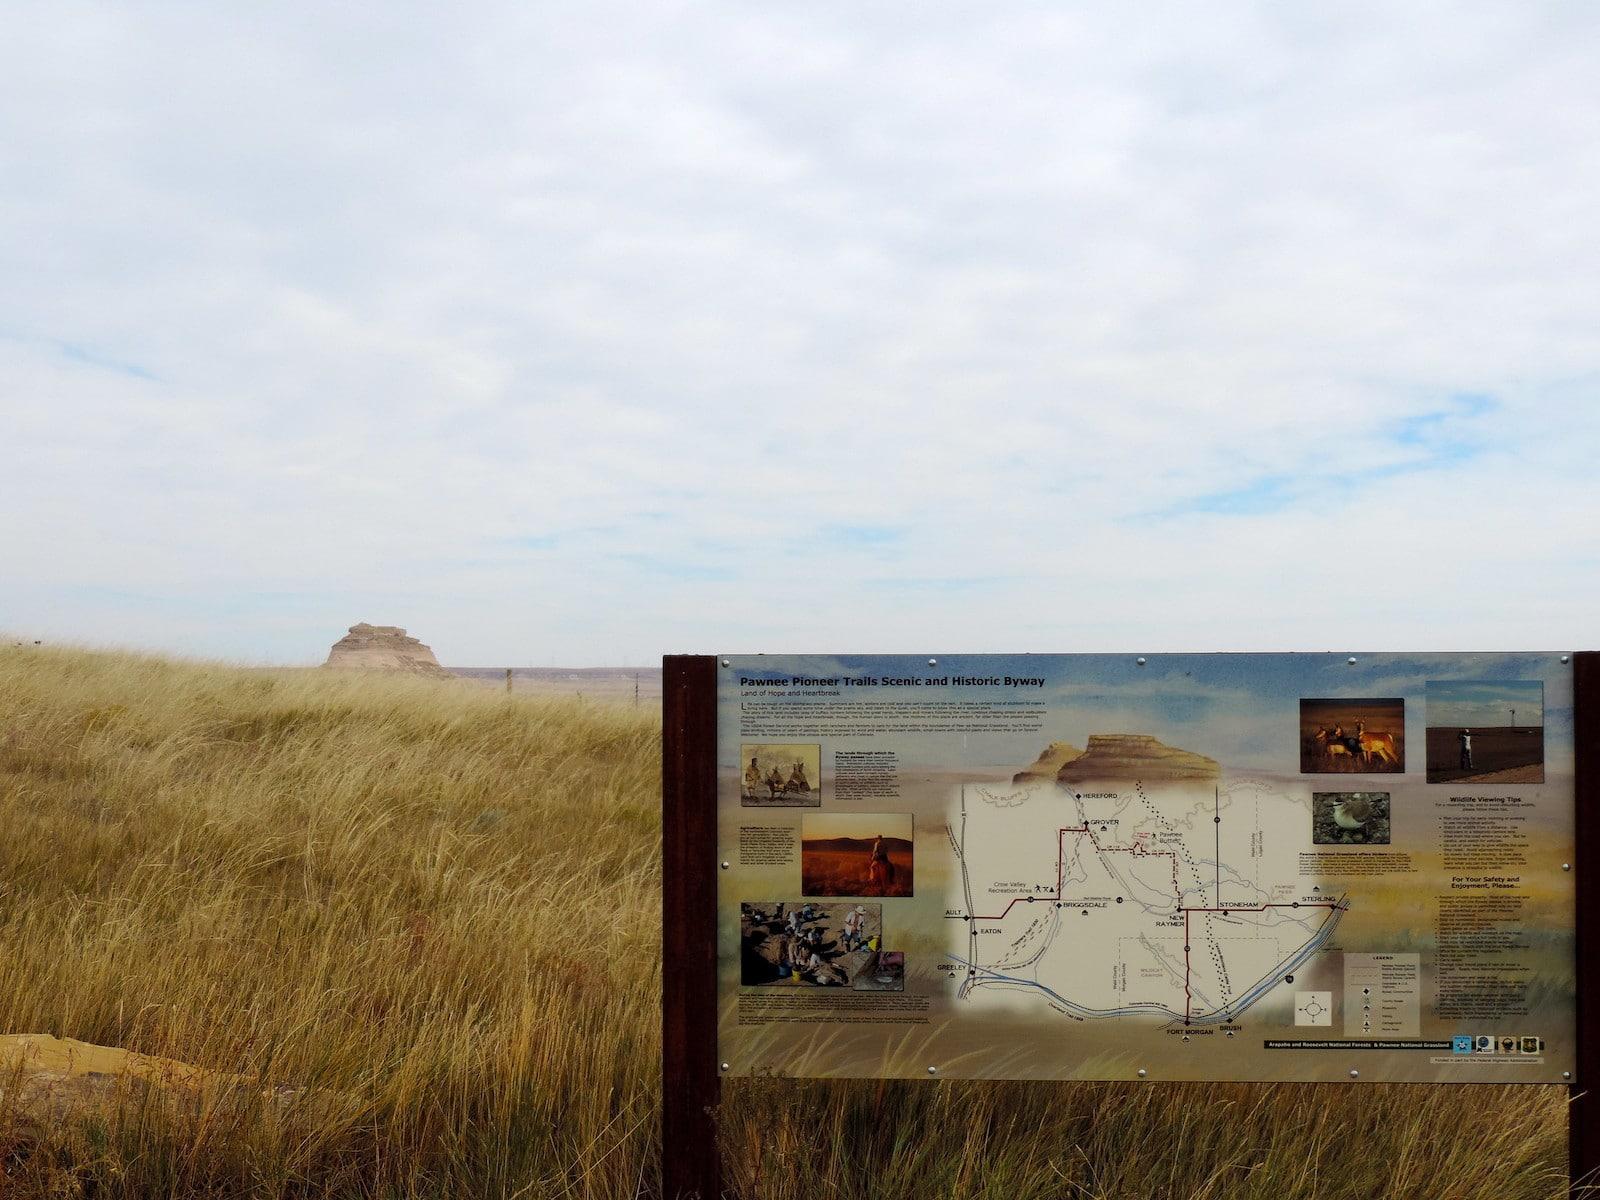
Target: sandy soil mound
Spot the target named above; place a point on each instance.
(51, 1078)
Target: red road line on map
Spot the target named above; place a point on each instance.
(1233, 908)
(1138, 850)
(1061, 867)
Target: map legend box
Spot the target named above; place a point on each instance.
(1383, 995)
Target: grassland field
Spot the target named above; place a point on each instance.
(414, 926)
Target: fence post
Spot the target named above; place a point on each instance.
(691, 1084)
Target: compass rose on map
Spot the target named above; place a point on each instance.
(1313, 1008)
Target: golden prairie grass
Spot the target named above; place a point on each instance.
(422, 920)
(436, 904)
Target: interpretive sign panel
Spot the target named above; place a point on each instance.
(1210, 866)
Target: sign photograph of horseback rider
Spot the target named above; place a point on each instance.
(1345, 736)
(856, 854)
(780, 776)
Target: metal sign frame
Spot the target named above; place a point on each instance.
(691, 1087)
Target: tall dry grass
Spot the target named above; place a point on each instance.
(437, 904)
(427, 915)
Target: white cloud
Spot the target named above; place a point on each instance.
(545, 332)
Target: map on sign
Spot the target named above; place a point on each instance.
(1138, 885)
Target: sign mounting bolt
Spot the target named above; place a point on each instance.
(727, 1066)
(1139, 662)
(933, 1070)
(1351, 660)
(1142, 1072)
(1566, 658)
(1566, 1074)
(933, 662)
(726, 864)
(1566, 866)
(1354, 1074)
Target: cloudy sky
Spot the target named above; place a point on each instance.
(1483, 703)
(582, 333)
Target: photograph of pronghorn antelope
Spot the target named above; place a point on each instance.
(1353, 736)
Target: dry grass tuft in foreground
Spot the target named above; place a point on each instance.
(411, 931)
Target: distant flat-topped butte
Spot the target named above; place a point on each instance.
(390, 649)
(1136, 756)
(382, 648)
